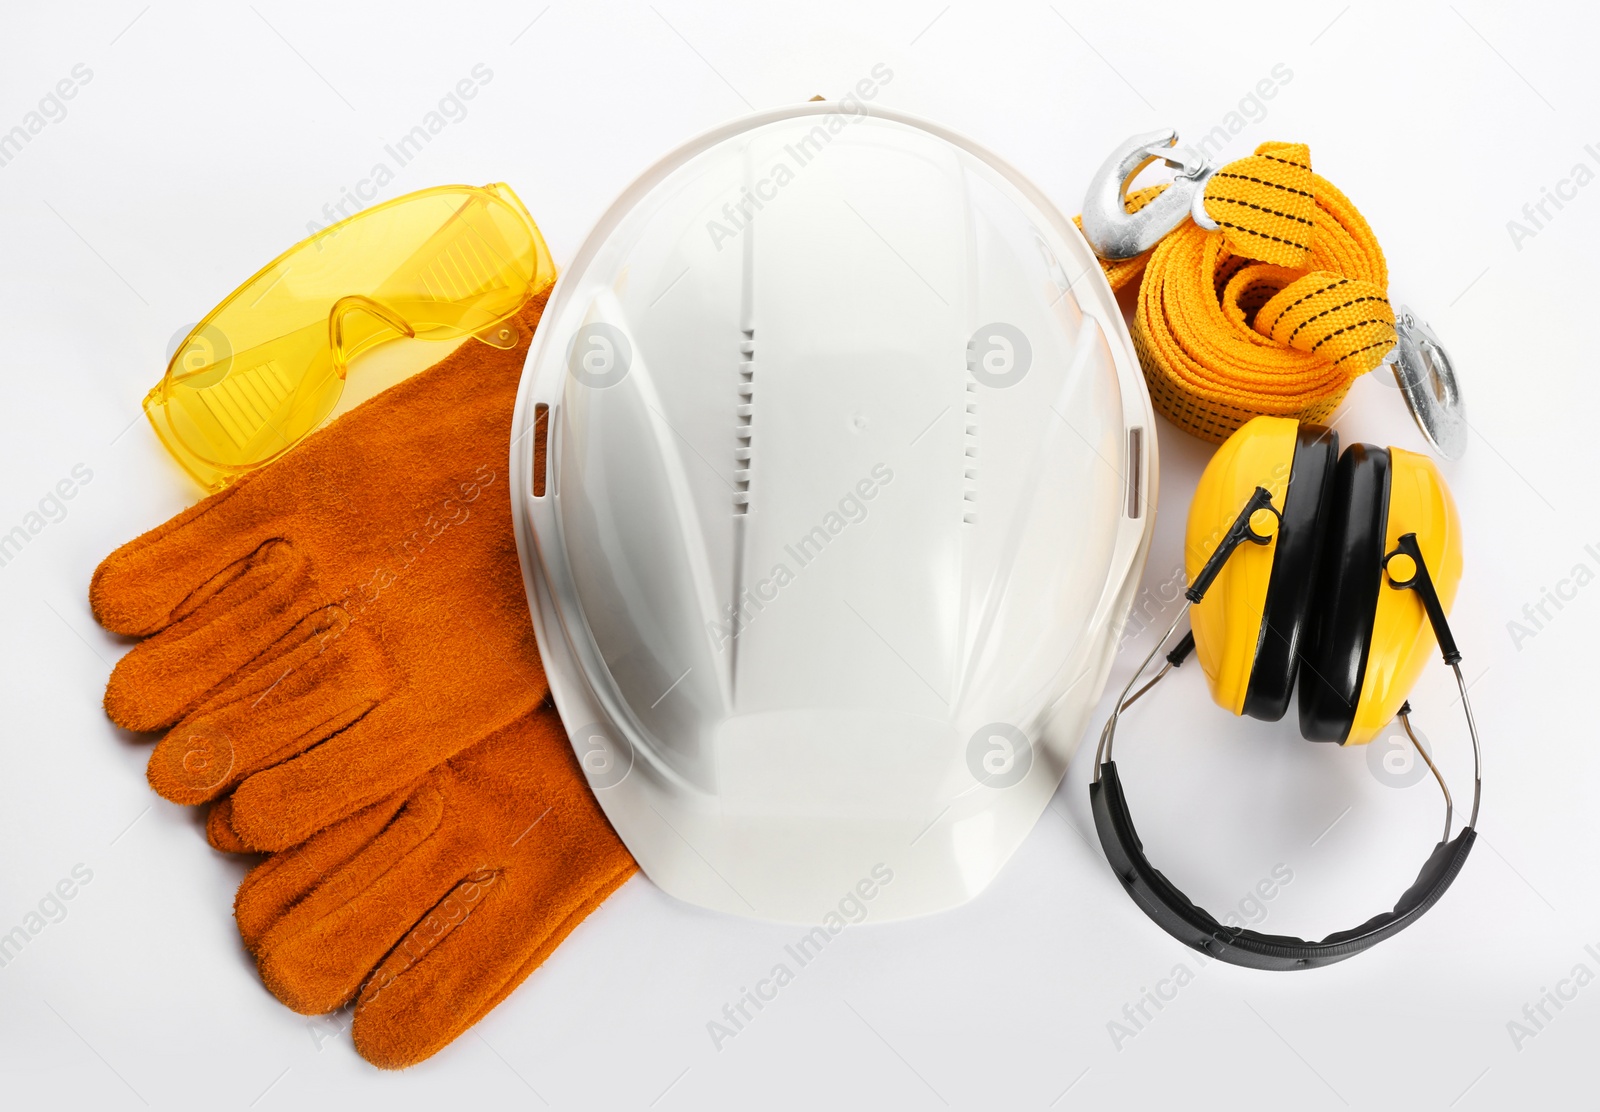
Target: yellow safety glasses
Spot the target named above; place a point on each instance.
(267, 366)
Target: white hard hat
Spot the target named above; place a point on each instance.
(850, 477)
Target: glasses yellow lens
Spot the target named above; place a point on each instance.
(268, 365)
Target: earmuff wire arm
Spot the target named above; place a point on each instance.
(1102, 752)
(1421, 581)
(1238, 533)
(1477, 755)
(1404, 715)
(1175, 659)
(1157, 678)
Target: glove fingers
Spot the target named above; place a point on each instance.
(471, 910)
(219, 829)
(271, 890)
(316, 955)
(318, 679)
(470, 951)
(394, 745)
(226, 623)
(146, 585)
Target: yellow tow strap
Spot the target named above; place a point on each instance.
(1276, 312)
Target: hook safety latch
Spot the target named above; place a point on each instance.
(1113, 231)
(1427, 379)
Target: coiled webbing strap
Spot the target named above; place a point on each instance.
(1275, 312)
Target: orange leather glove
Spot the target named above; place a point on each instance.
(321, 634)
(427, 908)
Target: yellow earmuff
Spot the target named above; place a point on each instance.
(1402, 639)
(1227, 623)
(1312, 602)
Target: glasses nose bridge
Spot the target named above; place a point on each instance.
(359, 303)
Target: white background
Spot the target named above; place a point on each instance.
(210, 134)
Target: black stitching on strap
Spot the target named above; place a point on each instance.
(1271, 211)
(1263, 235)
(1262, 181)
(1305, 297)
(1349, 328)
(1359, 350)
(1325, 312)
(1284, 161)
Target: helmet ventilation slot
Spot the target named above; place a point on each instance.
(541, 437)
(969, 462)
(1135, 472)
(745, 411)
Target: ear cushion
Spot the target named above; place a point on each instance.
(1285, 619)
(1345, 598)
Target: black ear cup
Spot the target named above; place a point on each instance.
(1345, 598)
(1285, 618)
